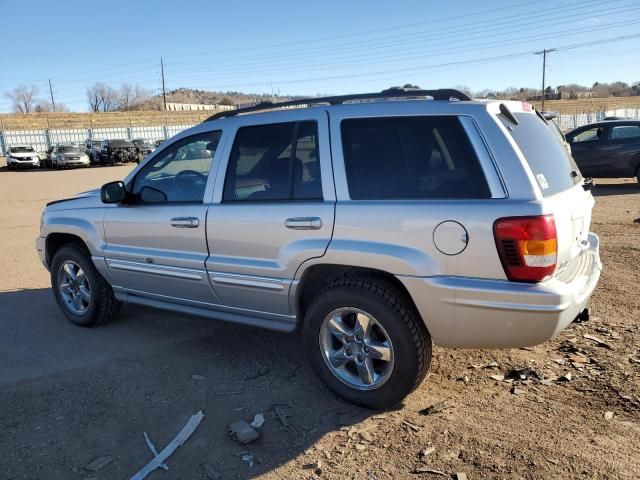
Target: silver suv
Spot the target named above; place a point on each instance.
(373, 223)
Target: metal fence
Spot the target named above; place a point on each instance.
(41, 140)
(569, 122)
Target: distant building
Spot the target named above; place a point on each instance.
(197, 106)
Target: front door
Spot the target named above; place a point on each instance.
(586, 149)
(273, 210)
(156, 243)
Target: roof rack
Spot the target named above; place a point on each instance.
(445, 94)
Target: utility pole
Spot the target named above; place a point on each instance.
(53, 103)
(544, 69)
(164, 93)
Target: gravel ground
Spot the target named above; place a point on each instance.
(70, 395)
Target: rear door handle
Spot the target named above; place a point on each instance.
(303, 223)
(185, 222)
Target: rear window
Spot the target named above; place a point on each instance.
(552, 166)
(410, 158)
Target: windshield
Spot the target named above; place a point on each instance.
(22, 150)
(69, 150)
(552, 166)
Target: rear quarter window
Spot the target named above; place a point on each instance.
(424, 157)
(552, 166)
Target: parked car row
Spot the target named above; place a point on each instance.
(92, 152)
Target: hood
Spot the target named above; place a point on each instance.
(23, 154)
(90, 198)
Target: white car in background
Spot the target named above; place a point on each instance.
(22, 156)
(68, 155)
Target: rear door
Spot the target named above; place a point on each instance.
(272, 210)
(623, 150)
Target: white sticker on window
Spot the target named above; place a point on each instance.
(542, 181)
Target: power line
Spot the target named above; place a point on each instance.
(544, 69)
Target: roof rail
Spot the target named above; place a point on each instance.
(445, 94)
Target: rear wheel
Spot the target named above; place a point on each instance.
(82, 294)
(366, 342)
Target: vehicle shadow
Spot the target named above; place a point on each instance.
(609, 189)
(92, 392)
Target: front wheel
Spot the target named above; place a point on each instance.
(82, 294)
(366, 342)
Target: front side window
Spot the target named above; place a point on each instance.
(624, 132)
(591, 135)
(410, 158)
(276, 162)
(180, 173)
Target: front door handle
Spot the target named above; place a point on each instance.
(185, 222)
(303, 223)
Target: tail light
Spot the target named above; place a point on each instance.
(528, 247)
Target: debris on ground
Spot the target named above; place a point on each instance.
(520, 374)
(411, 426)
(517, 391)
(152, 447)
(428, 470)
(262, 371)
(98, 463)
(315, 466)
(178, 441)
(258, 420)
(210, 472)
(598, 341)
(242, 432)
(497, 377)
(198, 377)
(248, 458)
(461, 476)
(608, 415)
(435, 408)
(282, 416)
(567, 377)
(427, 451)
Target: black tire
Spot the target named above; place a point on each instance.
(410, 339)
(103, 306)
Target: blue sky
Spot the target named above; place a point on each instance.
(316, 47)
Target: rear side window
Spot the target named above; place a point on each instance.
(549, 160)
(410, 158)
(276, 162)
(625, 131)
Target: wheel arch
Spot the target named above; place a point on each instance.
(316, 277)
(55, 241)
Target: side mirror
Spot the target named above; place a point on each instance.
(113, 192)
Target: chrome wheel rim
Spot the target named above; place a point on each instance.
(356, 348)
(73, 286)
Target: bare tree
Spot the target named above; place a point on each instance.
(45, 105)
(102, 97)
(95, 101)
(23, 98)
(131, 95)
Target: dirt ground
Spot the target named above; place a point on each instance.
(70, 395)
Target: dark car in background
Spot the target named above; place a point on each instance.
(143, 148)
(608, 149)
(113, 152)
(92, 148)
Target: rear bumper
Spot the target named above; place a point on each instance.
(476, 313)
